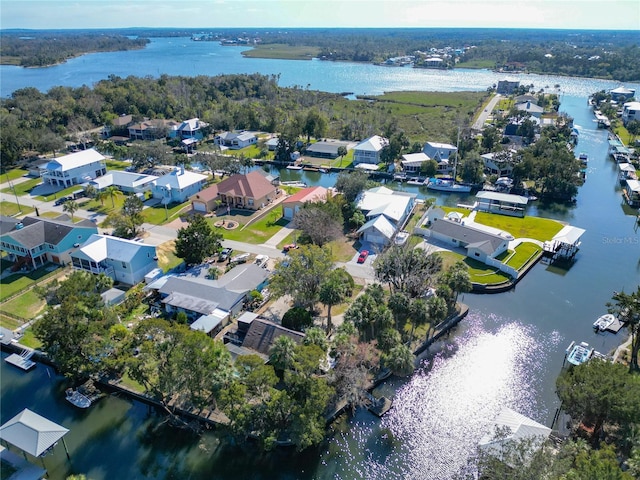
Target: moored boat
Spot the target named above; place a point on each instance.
(446, 185)
(294, 167)
(604, 321)
(77, 399)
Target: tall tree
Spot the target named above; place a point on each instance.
(320, 222)
(333, 291)
(112, 192)
(406, 269)
(282, 353)
(351, 184)
(71, 207)
(627, 307)
(599, 391)
(197, 241)
(301, 274)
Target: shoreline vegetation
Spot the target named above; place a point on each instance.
(591, 54)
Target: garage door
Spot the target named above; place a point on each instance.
(200, 207)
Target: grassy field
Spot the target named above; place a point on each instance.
(523, 253)
(542, 229)
(423, 116)
(480, 63)
(255, 233)
(116, 164)
(12, 174)
(158, 215)
(23, 188)
(10, 209)
(19, 281)
(28, 305)
(282, 51)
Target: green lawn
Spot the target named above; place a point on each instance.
(523, 253)
(23, 188)
(256, 233)
(9, 323)
(159, 215)
(28, 305)
(478, 271)
(29, 340)
(117, 165)
(10, 209)
(19, 281)
(542, 229)
(12, 174)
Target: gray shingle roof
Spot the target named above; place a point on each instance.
(471, 237)
(37, 231)
(199, 294)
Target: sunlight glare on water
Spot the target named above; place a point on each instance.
(441, 413)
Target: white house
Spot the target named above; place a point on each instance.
(439, 151)
(412, 162)
(369, 151)
(177, 186)
(236, 140)
(74, 169)
(499, 163)
(630, 111)
(125, 261)
(386, 211)
(128, 182)
(191, 129)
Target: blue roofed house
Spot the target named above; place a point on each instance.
(126, 261)
(35, 240)
(386, 211)
(74, 169)
(177, 186)
(370, 150)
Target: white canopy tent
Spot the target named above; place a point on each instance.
(32, 433)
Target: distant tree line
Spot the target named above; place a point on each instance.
(40, 49)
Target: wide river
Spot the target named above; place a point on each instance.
(508, 351)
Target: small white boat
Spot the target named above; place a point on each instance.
(584, 158)
(323, 170)
(294, 167)
(76, 398)
(603, 322)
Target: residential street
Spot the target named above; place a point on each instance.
(159, 234)
(479, 123)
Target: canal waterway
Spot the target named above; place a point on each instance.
(507, 352)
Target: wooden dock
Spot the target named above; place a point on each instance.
(615, 326)
(379, 406)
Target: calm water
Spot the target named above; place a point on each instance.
(507, 353)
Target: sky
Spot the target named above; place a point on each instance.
(211, 14)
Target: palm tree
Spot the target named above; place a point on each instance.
(112, 192)
(332, 292)
(282, 352)
(101, 195)
(342, 151)
(71, 207)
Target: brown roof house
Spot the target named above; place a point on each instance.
(292, 204)
(262, 333)
(252, 191)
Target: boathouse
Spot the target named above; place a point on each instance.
(564, 245)
(502, 203)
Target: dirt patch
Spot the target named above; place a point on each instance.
(163, 250)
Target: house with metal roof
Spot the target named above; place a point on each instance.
(386, 211)
(530, 108)
(440, 151)
(177, 186)
(235, 140)
(74, 169)
(325, 148)
(502, 203)
(126, 261)
(127, 182)
(36, 240)
(369, 151)
(295, 202)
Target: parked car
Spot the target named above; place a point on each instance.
(363, 256)
(291, 246)
(242, 258)
(61, 200)
(224, 254)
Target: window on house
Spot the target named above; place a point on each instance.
(124, 265)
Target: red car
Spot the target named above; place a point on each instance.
(363, 256)
(291, 246)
